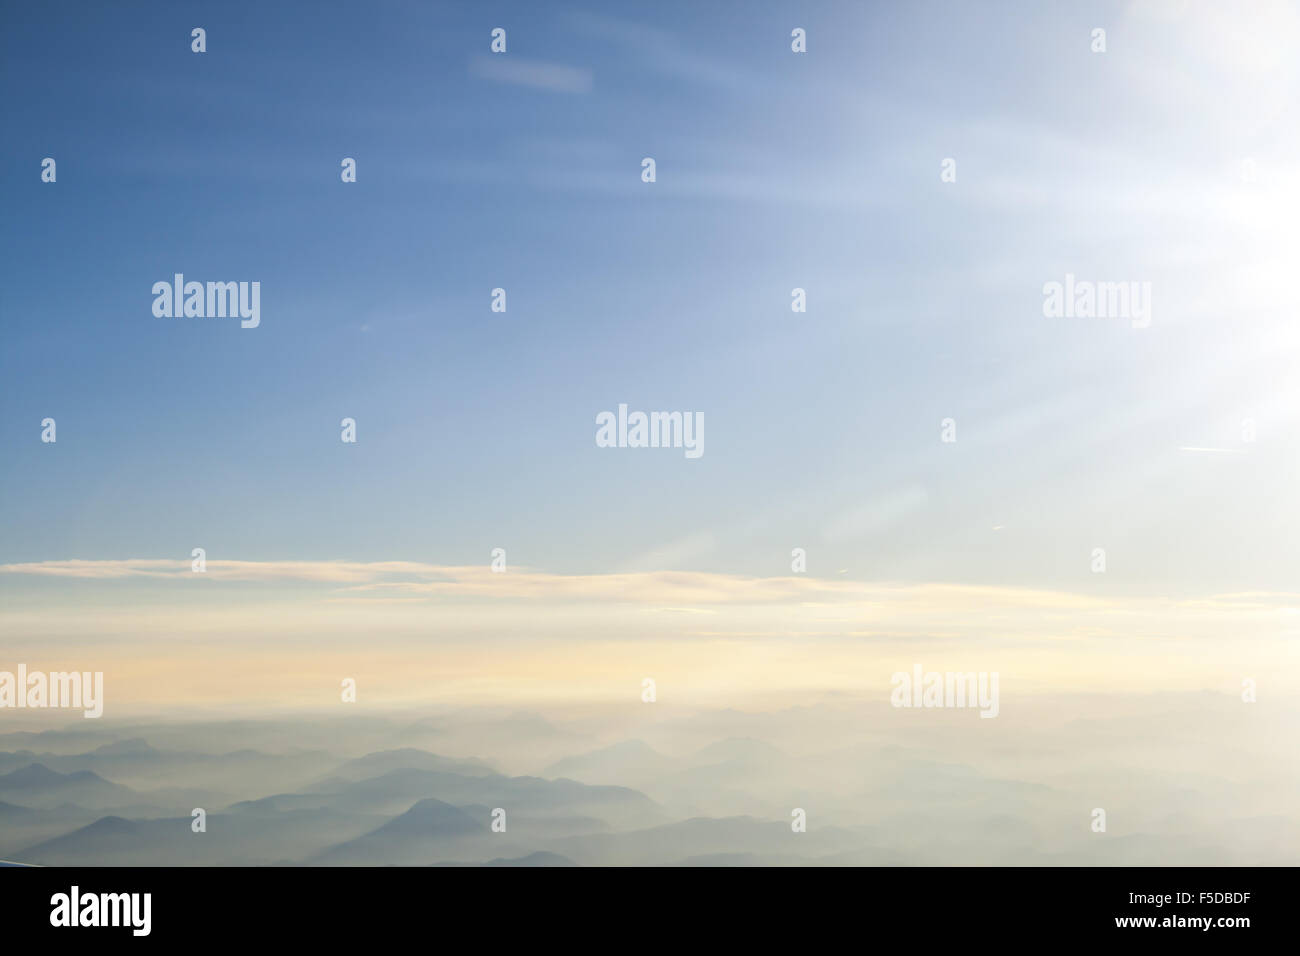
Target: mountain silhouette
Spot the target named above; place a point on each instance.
(541, 858)
(427, 831)
(408, 758)
(133, 746)
(627, 760)
(431, 817)
(38, 785)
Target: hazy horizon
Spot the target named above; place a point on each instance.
(886, 412)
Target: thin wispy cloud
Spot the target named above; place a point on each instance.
(536, 74)
(855, 607)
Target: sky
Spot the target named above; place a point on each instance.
(1169, 159)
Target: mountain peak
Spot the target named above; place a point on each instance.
(106, 825)
(432, 817)
(33, 775)
(134, 745)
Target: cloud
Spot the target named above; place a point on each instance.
(532, 73)
(327, 572)
(782, 605)
(289, 630)
(130, 567)
(664, 52)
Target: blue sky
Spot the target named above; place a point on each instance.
(775, 170)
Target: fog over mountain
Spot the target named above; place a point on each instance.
(660, 786)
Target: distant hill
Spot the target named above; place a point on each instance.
(38, 786)
(105, 836)
(281, 802)
(392, 791)
(12, 811)
(138, 764)
(135, 746)
(629, 761)
(430, 817)
(756, 840)
(541, 858)
(408, 758)
(421, 835)
(230, 840)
